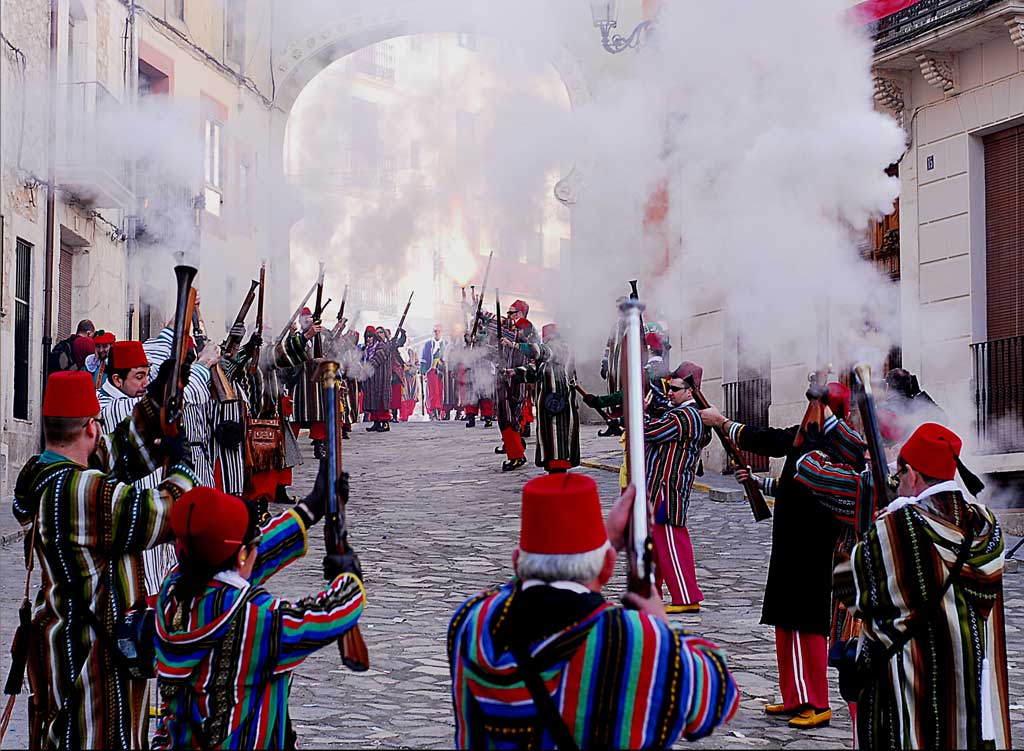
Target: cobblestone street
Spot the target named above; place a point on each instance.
(434, 520)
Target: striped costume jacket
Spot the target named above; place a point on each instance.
(376, 385)
(672, 446)
(93, 527)
(619, 678)
(947, 687)
(558, 416)
(224, 664)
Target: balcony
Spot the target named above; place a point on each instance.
(91, 162)
(941, 26)
(376, 61)
(999, 394)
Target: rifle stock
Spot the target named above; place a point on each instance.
(233, 342)
(354, 654)
(873, 436)
(750, 488)
(174, 393)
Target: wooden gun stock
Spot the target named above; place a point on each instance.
(751, 487)
(174, 394)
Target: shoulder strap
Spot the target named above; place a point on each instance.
(914, 628)
(549, 713)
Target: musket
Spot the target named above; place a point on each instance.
(198, 329)
(174, 392)
(318, 314)
(254, 360)
(353, 650)
(401, 321)
(480, 302)
(230, 346)
(751, 487)
(295, 316)
(814, 416)
(220, 386)
(873, 436)
(639, 543)
(600, 411)
(341, 314)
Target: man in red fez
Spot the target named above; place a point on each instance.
(558, 421)
(434, 368)
(552, 620)
(519, 348)
(96, 362)
(927, 581)
(90, 529)
(798, 588)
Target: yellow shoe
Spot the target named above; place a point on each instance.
(811, 718)
(780, 709)
(693, 607)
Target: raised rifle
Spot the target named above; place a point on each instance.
(480, 301)
(401, 321)
(230, 346)
(353, 650)
(254, 360)
(198, 328)
(298, 310)
(220, 386)
(639, 544)
(336, 331)
(174, 392)
(318, 314)
(750, 487)
(873, 436)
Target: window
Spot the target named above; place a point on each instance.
(213, 165)
(176, 9)
(152, 80)
(234, 32)
(65, 286)
(467, 41)
(145, 321)
(22, 326)
(1004, 233)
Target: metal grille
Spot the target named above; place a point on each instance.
(64, 290)
(22, 327)
(999, 394)
(922, 17)
(748, 402)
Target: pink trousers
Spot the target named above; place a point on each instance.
(673, 556)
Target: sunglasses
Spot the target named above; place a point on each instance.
(673, 389)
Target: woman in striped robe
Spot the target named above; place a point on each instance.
(225, 646)
(93, 526)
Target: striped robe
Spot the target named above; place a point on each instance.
(947, 687)
(376, 385)
(672, 446)
(511, 394)
(93, 526)
(224, 664)
(558, 432)
(620, 678)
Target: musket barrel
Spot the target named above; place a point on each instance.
(633, 404)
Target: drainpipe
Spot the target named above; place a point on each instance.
(132, 219)
(51, 190)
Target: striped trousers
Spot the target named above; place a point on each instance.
(803, 666)
(673, 556)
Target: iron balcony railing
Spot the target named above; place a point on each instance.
(999, 394)
(748, 402)
(922, 17)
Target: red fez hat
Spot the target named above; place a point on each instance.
(688, 368)
(933, 450)
(838, 399)
(561, 515)
(128, 354)
(306, 312)
(550, 329)
(104, 337)
(653, 340)
(519, 306)
(209, 525)
(370, 330)
(70, 393)
(523, 323)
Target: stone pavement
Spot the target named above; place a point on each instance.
(435, 520)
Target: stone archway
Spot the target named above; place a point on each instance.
(299, 58)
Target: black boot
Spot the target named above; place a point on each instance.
(526, 430)
(385, 427)
(499, 449)
(512, 464)
(488, 423)
(319, 450)
(281, 495)
(375, 428)
(471, 422)
(346, 432)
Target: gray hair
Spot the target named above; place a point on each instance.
(575, 567)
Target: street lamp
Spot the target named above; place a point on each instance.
(604, 14)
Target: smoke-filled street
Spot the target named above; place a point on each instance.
(434, 521)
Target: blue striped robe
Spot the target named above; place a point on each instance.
(672, 446)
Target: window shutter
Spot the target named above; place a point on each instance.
(64, 287)
(1004, 209)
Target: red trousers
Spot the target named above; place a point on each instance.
(396, 396)
(408, 407)
(435, 391)
(803, 668)
(528, 411)
(513, 444)
(265, 483)
(673, 556)
(486, 409)
(382, 416)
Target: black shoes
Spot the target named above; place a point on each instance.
(488, 423)
(319, 449)
(471, 422)
(513, 464)
(526, 430)
(499, 449)
(377, 427)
